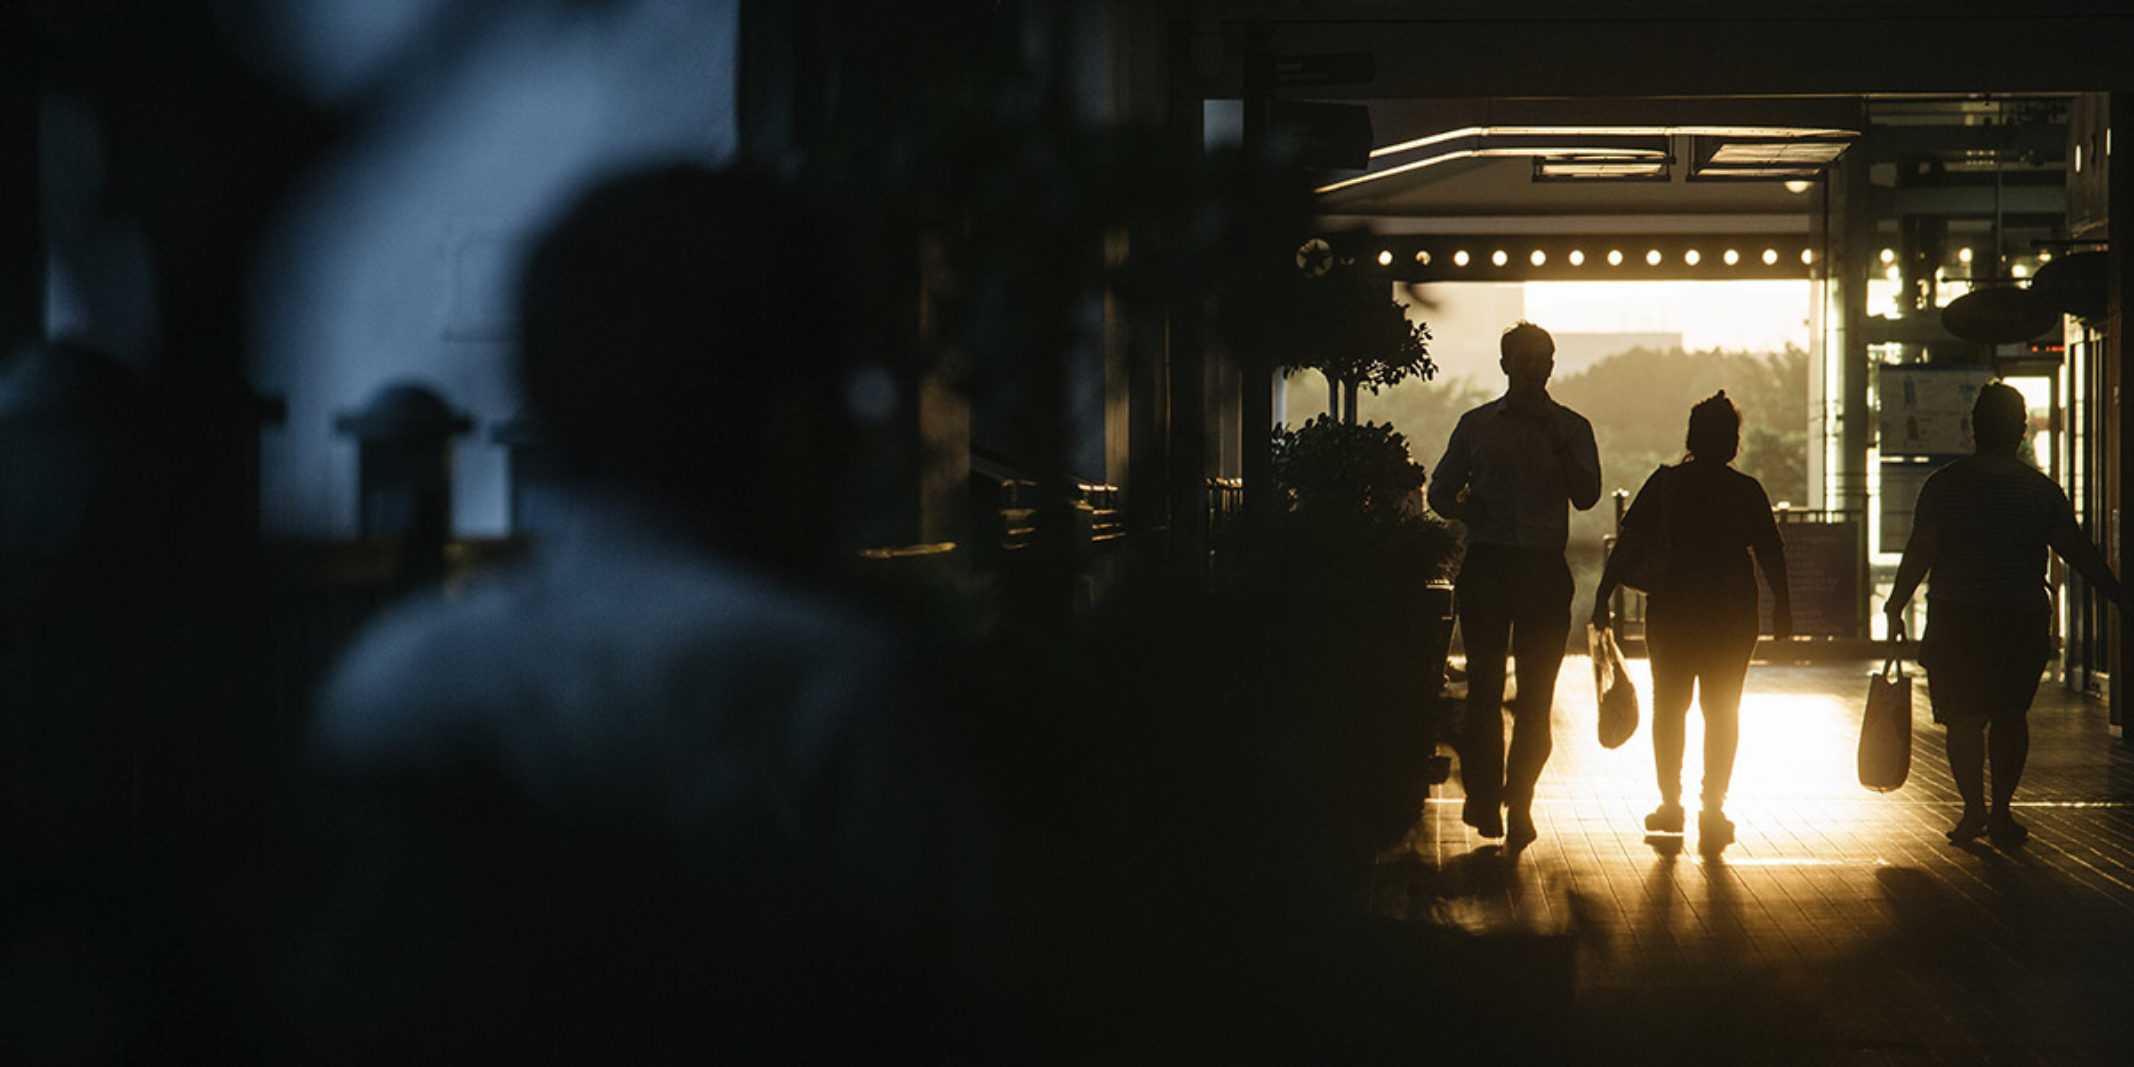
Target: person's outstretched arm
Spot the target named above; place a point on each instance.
(1772, 560)
(1612, 571)
(1578, 458)
(1774, 568)
(2074, 546)
(1611, 577)
(1770, 551)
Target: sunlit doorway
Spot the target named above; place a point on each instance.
(1632, 356)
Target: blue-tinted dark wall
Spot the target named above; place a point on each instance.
(21, 293)
(394, 259)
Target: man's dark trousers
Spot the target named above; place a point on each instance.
(1515, 600)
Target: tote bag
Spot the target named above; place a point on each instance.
(1617, 697)
(1886, 729)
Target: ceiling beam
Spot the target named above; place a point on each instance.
(1679, 52)
(2041, 140)
(1978, 200)
(1558, 225)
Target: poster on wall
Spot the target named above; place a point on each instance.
(1901, 481)
(1926, 410)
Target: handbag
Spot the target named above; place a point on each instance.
(1617, 696)
(1645, 547)
(1886, 729)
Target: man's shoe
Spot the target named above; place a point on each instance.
(1665, 819)
(1484, 816)
(1519, 829)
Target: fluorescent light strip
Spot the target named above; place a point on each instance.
(1425, 142)
(1478, 132)
(1588, 151)
(1787, 132)
(1427, 161)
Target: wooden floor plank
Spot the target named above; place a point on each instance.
(1841, 926)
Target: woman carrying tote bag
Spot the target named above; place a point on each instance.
(1701, 618)
(1980, 530)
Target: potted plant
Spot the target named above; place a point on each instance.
(1357, 573)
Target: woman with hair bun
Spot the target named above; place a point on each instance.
(1701, 619)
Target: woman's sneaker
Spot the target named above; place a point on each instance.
(1970, 826)
(1665, 819)
(1714, 829)
(2005, 831)
(1519, 829)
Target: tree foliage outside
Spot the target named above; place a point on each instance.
(1361, 340)
(1639, 404)
(1425, 413)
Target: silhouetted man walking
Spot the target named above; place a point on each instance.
(1509, 470)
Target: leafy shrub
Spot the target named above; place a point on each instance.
(1329, 465)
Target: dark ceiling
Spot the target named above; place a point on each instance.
(1597, 69)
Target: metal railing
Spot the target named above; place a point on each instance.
(1226, 503)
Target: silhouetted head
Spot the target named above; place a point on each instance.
(1999, 417)
(1529, 356)
(681, 335)
(1714, 429)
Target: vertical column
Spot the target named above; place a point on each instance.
(1255, 407)
(1226, 400)
(1185, 354)
(1850, 255)
(1825, 228)
(2086, 611)
(22, 269)
(1856, 256)
(1147, 433)
(1140, 71)
(2116, 422)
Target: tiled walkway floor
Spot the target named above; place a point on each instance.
(1842, 926)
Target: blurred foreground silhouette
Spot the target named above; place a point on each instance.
(655, 791)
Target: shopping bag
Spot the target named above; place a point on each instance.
(1612, 687)
(1886, 729)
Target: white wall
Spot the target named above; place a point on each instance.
(395, 261)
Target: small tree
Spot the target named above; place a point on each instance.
(1360, 339)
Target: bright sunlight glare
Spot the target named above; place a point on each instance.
(1795, 746)
(1739, 315)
